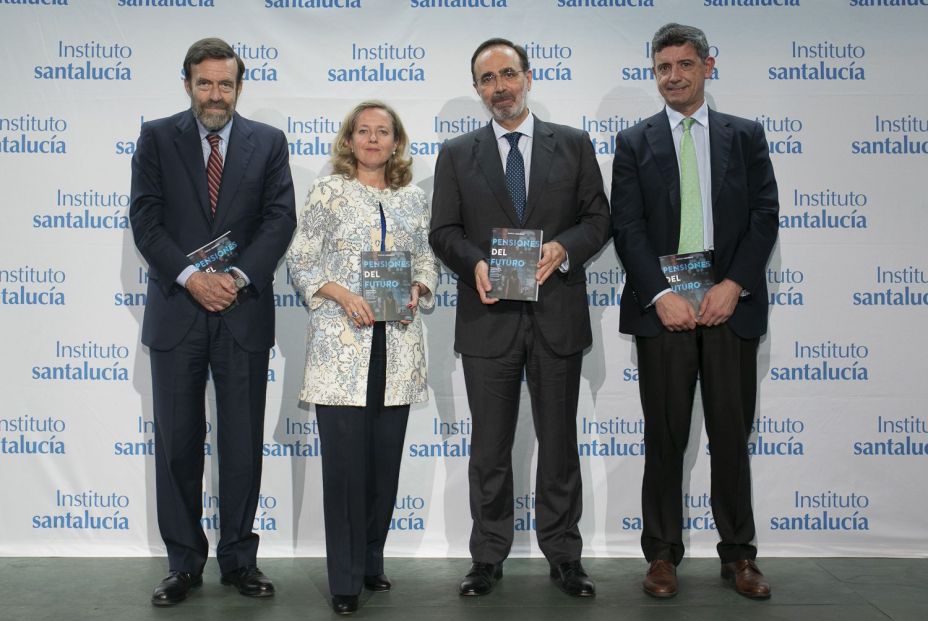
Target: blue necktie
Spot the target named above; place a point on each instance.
(515, 175)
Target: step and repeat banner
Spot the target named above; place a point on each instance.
(841, 435)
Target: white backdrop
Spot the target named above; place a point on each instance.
(841, 437)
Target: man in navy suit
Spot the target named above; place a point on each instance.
(685, 167)
(558, 188)
(195, 176)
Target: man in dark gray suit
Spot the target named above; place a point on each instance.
(690, 179)
(520, 172)
(195, 176)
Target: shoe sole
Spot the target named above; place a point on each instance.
(660, 595)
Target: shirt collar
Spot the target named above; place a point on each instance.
(701, 116)
(526, 127)
(223, 133)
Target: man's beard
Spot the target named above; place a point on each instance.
(509, 109)
(212, 117)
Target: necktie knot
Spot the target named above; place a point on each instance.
(213, 140)
(513, 138)
(688, 123)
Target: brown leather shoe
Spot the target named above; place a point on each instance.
(748, 579)
(661, 580)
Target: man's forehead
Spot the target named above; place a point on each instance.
(680, 50)
(215, 66)
(497, 55)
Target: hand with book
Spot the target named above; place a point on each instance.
(414, 292)
(719, 303)
(482, 278)
(675, 312)
(214, 291)
(357, 309)
(552, 255)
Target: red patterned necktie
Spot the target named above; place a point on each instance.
(213, 171)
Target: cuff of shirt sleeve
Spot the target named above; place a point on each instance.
(183, 276)
(659, 295)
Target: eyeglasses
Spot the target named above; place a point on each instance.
(506, 75)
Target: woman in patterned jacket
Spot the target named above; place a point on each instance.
(361, 374)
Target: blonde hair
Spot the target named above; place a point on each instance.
(398, 170)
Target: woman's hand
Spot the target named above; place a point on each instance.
(414, 292)
(357, 309)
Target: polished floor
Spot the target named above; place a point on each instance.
(821, 589)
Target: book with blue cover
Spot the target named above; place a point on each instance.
(386, 280)
(689, 274)
(218, 255)
(514, 257)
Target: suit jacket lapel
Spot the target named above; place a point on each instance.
(486, 153)
(720, 136)
(238, 154)
(660, 139)
(543, 144)
(191, 154)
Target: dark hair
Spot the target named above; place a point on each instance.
(523, 55)
(670, 35)
(211, 48)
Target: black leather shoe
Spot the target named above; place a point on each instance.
(249, 581)
(174, 589)
(344, 604)
(481, 578)
(571, 579)
(378, 583)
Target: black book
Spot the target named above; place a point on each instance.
(218, 255)
(386, 280)
(689, 274)
(514, 256)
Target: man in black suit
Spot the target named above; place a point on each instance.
(692, 179)
(520, 172)
(195, 176)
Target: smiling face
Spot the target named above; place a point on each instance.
(213, 91)
(681, 77)
(506, 90)
(373, 139)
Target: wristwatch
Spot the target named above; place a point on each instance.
(240, 282)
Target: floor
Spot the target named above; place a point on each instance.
(821, 589)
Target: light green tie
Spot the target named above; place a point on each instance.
(691, 234)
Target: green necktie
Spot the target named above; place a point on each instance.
(691, 234)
